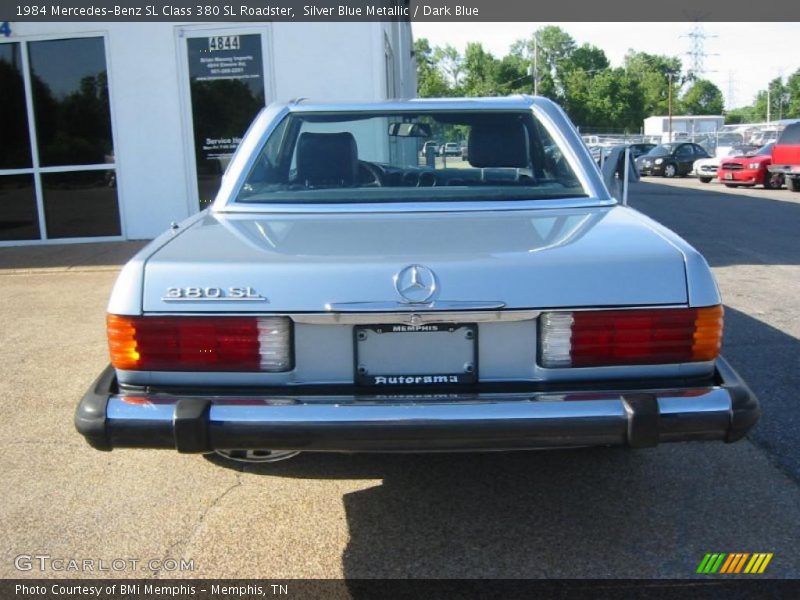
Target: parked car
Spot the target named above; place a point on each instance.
(450, 149)
(705, 169)
(430, 147)
(339, 297)
(671, 160)
(637, 150)
(750, 170)
(786, 156)
(640, 149)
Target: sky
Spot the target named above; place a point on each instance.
(742, 57)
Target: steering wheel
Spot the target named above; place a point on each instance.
(373, 171)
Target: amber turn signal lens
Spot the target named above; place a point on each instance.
(707, 333)
(122, 342)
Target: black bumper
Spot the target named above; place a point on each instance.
(637, 416)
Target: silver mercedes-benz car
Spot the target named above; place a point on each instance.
(348, 292)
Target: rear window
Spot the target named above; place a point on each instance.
(391, 157)
(790, 135)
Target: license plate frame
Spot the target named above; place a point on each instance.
(450, 349)
(729, 176)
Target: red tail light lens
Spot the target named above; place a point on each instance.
(630, 337)
(200, 343)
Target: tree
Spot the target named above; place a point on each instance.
(554, 49)
(480, 69)
(579, 78)
(430, 81)
(783, 98)
(450, 64)
(652, 71)
(588, 58)
(615, 101)
(740, 115)
(702, 98)
(511, 75)
(792, 90)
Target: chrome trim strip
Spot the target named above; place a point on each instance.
(415, 207)
(713, 400)
(364, 313)
(409, 316)
(409, 412)
(119, 409)
(413, 307)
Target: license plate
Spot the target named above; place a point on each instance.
(728, 175)
(397, 356)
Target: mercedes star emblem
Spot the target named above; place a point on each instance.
(415, 284)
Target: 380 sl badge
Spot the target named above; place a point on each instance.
(212, 294)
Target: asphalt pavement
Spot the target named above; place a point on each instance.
(578, 513)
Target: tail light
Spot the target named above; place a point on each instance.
(629, 337)
(200, 343)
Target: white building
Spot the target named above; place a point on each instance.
(112, 131)
(683, 127)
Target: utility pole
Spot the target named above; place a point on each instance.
(785, 97)
(535, 65)
(669, 104)
(769, 105)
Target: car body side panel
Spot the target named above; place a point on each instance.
(700, 283)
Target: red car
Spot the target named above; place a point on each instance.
(786, 157)
(750, 170)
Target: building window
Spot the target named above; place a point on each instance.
(57, 169)
(19, 219)
(15, 151)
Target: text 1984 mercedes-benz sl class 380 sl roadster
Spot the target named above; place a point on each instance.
(348, 291)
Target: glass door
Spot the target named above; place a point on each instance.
(226, 91)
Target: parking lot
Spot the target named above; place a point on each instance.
(578, 513)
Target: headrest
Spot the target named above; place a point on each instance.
(327, 158)
(498, 144)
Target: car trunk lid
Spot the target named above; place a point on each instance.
(548, 258)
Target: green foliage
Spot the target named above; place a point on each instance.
(652, 71)
(578, 77)
(479, 68)
(783, 99)
(792, 88)
(430, 81)
(702, 98)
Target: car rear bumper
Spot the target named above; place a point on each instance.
(791, 170)
(722, 409)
